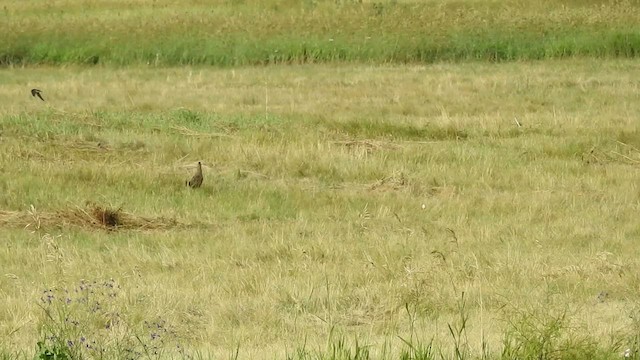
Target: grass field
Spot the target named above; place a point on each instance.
(382, 203)
(335, 198)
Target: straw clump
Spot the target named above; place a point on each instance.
(89, 216)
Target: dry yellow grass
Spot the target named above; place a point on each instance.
(334, 197)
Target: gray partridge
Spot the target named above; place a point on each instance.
(196, 180)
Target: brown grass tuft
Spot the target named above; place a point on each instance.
(396, 181)
(368, 145)
(107, 217)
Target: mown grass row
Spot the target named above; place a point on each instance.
(232, 35)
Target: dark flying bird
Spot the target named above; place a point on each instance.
(36, 92)
(196, 180)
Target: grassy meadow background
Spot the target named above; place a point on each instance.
(414, 180)
(254, 32)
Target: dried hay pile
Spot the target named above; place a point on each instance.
(89, 216)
